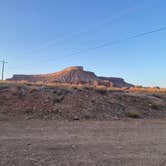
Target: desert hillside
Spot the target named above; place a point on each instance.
(73, 75)
(79, 102)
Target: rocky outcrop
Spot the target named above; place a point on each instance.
(116, 82)
(73, 75)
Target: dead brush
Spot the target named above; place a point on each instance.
(101, 90)
(157, 95)
(3, 86)
(33, 89)
(155, 107)
(86, 87)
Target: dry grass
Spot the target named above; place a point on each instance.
(148, 89)
(99, 89)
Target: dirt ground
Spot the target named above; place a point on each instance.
(83, 143)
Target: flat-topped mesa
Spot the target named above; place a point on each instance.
(73, 75)
(80, 68)
(21, 77)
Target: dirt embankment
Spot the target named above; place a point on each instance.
(78, 103)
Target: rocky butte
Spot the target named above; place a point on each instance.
(73, 75)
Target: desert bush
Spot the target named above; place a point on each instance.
(3, 86)
(28, 110)
(115, 90)
(87, 87)
(138, 86)
(58, 99)
(59, 95)
(32, 90)
(163, 163)
(88, 117)
(133, 114)
(23, 82)
(29, 84)
(101, 90)
(157, 95)
(155, 107)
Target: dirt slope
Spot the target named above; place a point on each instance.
(74, 103)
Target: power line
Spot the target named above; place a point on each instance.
(108, 20)
(112, 42)
(129, 38)
(3, 68)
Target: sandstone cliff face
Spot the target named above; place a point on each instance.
(73, 75)
(116, 82)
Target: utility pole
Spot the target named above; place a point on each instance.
(3, 68)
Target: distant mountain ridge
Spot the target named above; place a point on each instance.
(73, 75)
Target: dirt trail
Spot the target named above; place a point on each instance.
(85, 143)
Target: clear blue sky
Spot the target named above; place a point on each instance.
(43, 36)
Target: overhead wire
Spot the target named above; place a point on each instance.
(112, 42)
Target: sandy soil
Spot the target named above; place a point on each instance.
(83, 143)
